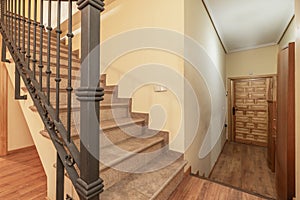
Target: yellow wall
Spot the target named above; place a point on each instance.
(297, 12)
(290, 35)
(122, 16)
(18, 132)
(259, 61)
(198, 27)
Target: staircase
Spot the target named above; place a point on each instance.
(135, 161)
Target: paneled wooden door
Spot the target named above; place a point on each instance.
(250, 110)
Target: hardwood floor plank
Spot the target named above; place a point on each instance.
(193, 188)
(22, 176)
(245, 166)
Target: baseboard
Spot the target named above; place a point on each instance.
(21, 149)
(188, 171)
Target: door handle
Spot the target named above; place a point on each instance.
(233, 110)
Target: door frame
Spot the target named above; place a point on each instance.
(230, 100)
(3, 110)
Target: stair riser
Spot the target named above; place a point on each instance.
(105, 114)
(112, 176)
(117, 134)
(168, 190)
(112, 113)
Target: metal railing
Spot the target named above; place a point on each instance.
(21, 31)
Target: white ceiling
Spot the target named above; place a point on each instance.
(248, 24)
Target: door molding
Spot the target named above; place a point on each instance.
(230, 102)
(3, 110)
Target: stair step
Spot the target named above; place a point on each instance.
(111, 124)
(158, 183)
(121, 151)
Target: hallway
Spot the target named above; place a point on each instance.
(245, 166)
(22, 176)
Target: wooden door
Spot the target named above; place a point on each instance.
(250, 110)
(285, 138)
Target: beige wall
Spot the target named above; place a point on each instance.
(259, 61)
(297, 12)
(120, 17)
(289, 36)
(198, 27)
(18, 132)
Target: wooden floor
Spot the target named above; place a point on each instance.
(193, 188)
(245, 166)
(22, 176)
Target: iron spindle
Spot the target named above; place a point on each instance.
(58, 79)
(18, 95)
(60, 175)
(12, 20)
(41, 45)
(69, 88)
(28, 56)
(2, 14)
(8, 21)
(48, 71)
(34, 39)
(15, 25)
(23, 35)
(19, 26)
(6, 15)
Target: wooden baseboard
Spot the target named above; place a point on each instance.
(188, 171)
(22, 149)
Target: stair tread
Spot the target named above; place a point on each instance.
(112, 123)
(146, 186)
(116, 153)
(64, 107)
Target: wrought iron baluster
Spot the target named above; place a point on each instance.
(34, 39)
(69, 88)
(2, 13)
(58, 79)
(28, 56)
(60, 168)
(41, 45)
(6, 15)
(15, 25)
(48, 71)
(19, 26)
(8, 19)
(23, 29)
(89, 185)
(12, 20)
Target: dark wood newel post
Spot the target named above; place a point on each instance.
(89, 185)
